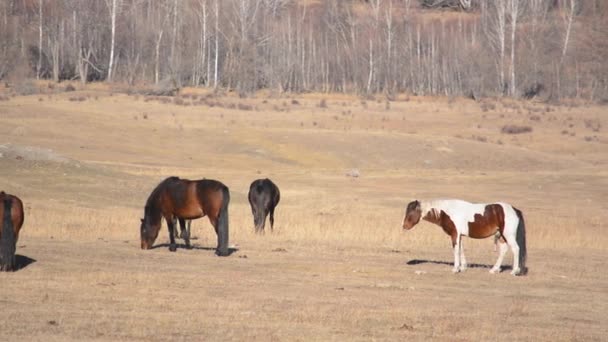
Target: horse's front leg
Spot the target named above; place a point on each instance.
(456, 248)
(171, 227)
(463, 261)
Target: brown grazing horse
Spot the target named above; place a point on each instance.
(11, 211)
(263, 196)
(186, 199)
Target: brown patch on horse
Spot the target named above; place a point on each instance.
(448, 226)
(492, 221)
(17, 215)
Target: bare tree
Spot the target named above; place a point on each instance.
(113, 7)
(568, 17)
(495, 30)
(513, 14)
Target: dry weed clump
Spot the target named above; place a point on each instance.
(77, 98)
(244, 106)
(323, 103)
(485, 106)
(515, 129)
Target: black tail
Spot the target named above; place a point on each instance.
(7, 241)
(520, 237)
(222, 225)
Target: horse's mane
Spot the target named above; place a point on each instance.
(152, 201)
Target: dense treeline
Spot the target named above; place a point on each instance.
(518, 48)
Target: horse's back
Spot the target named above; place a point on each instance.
(264, 189)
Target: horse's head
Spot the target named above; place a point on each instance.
(148, 232)
(413, 212)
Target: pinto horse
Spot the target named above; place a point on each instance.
(263, 196)
(11, 211)
(186, 199)
(459, 218)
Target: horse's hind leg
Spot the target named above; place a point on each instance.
(271, 219)
(185, 231)
(503, 251)
(171, 227)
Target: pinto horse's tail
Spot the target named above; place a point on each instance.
(222, 225)
(520, 237)
(7, 241)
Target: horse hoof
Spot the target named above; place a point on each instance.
(222, 253)
(455, 270)
(494, 270)
(516, 272)
(172, 248)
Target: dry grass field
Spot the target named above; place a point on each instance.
(338, 266)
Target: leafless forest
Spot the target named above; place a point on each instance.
(551, 48)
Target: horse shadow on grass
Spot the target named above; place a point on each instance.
(196, 247)
(414, 262)
(21, 262)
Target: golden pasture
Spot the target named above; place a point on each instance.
(338, 265)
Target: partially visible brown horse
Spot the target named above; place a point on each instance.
(11, 211)
(186, 199)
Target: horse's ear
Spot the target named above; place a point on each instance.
(418, 207)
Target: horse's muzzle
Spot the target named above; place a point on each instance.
(144, 245)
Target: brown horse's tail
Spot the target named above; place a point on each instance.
(7, 241)
(222, 225)
(520, 237)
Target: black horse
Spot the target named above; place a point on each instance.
(188, 200)
(263, 196)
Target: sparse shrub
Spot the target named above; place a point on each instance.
(565, 132)
(535, 117)
(593, 124)
(26, 87)
(323, 103)
(178, 101)
(387, 105)
(515, 129)
(69, 87)
(364, 104)
(231, 106)
(40, 99)
(145, 116)
(295, 102)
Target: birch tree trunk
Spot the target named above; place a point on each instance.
(113, 10)
(569, 18)
(514, 12)
(39, 64)
(217, 43)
